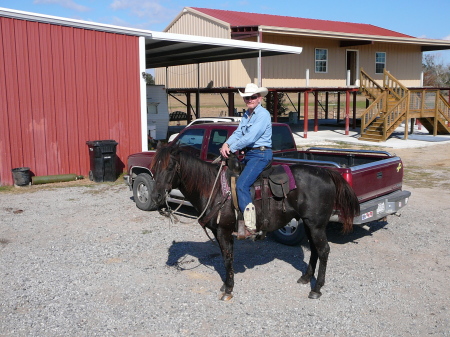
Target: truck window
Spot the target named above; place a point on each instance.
(217, 138)
(191, 141)
(281, 138)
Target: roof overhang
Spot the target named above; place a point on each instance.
(346, 39)
(168, 49)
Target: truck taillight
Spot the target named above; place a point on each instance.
(348, 177)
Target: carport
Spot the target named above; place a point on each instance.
(57, 90)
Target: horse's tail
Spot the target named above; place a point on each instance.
(346, 201)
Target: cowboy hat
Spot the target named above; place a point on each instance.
(252, 89)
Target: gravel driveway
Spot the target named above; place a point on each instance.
(84, 261)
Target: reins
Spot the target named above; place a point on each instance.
(170, 213)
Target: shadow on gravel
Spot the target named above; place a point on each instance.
(247, 255)
(189, 255)
(334, 232)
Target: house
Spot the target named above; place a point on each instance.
(333, 52)
(64, 82)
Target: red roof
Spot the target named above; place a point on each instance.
(239, 19)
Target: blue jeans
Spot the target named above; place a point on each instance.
(255, 161)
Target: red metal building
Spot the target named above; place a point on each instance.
(64, 82)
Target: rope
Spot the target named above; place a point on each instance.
(170, 214)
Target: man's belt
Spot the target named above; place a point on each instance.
(262, 148)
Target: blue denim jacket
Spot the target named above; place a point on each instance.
(253, 131)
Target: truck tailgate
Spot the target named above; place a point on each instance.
(378, 178)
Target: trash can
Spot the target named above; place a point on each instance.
(102, 157)
(21, 176)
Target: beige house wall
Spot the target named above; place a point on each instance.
(402, 60)
(187, 76)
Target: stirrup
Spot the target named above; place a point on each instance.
(244, 232)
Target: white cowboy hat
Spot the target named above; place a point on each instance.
(252, 89)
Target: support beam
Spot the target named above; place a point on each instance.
(354, 110)
(316, 111)
(305, 115)
(347, 113)
(231, 104)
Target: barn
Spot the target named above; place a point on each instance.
(64, 82)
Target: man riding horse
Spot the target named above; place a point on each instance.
(254, 137)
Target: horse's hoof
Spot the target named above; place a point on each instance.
(226, 297)
(303, 280)
(314, 295)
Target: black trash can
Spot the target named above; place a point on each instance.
(21, 176)
(102, 156)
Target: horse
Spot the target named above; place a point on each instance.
(319, 192)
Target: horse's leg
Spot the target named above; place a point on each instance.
(306, 277)
(226, 243)
(320, 249)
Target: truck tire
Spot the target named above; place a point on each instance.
(142, 189)
(292, 234)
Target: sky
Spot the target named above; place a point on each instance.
(418, 18)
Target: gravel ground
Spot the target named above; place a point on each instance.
(84, 261)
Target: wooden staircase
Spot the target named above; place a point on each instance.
(394, 104)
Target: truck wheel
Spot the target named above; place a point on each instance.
(142, 189)
(292, 234)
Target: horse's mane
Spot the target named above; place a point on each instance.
(195, 173)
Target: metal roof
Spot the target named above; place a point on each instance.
(166, 49)
(347, 32)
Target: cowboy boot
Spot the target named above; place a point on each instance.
(250, 218)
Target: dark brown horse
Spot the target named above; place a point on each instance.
(319, 193)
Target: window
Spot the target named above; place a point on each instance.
(321, 60)
(217, 138)
(191, 141)
(380, 62)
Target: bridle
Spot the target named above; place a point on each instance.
(170, 213)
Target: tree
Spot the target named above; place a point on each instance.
(149, 79)
(281, 108)
(435, 73)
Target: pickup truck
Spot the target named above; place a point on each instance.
(375, 176)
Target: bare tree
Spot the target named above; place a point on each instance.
(435, 73)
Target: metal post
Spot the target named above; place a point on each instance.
(316, 111)
(275, 106)
(305, 115)
(338, 107)
(347, 113)
(326, 104)
(354, 110)
(231, 104)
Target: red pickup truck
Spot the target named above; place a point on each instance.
(375, 176)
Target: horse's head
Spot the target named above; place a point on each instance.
(234, 164)
(166, 169)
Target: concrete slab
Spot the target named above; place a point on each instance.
(330, 133)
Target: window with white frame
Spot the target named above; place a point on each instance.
(380, 62)
(321, 60)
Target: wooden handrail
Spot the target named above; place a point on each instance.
(393, 85)
(373, 111)
(368, 85)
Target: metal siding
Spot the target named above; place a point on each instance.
(37, 101)
(62, 86)
(60, 121)
(24, 111)
(186, 76)
(80, 81)
(5, 142)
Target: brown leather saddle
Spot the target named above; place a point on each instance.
(274, 182)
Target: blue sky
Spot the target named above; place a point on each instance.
(429, 19)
